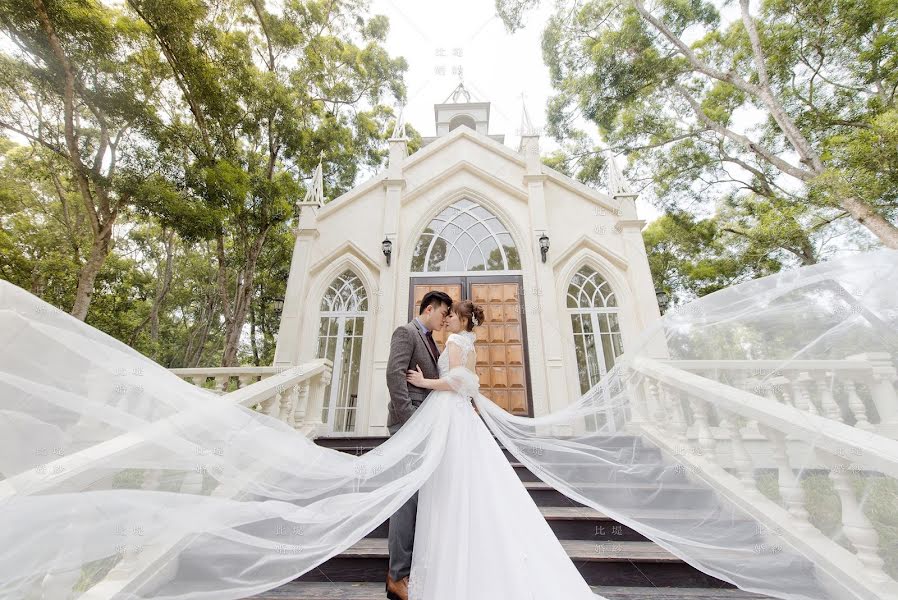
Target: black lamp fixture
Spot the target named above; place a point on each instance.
(663, 299)
(387, 247)
(276, 303)
(543, 245)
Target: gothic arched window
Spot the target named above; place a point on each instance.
(343, 310)
(595, 319)
(465, 237)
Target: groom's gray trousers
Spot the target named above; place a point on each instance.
(401, 535)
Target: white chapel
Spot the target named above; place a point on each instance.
(560, 269)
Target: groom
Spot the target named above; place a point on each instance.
(412, 346)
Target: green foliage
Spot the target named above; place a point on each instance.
(198, 126)
(805, 121)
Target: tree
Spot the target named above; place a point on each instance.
(79, 81)
(260, 96)
(673, 83)
(692, 257)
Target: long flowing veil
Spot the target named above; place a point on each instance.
(751, 433)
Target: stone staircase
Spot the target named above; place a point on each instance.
(616, 561)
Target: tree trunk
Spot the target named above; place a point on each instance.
(867, 216)
(99, 250)
(252, 334)
(163, 283)
(235, 316)
(162, 290)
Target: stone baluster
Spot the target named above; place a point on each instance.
(316, 399)
(789, 486)
(758, 387)
(659, 413)
(706, 442)
(855, 524)
(245, 380)
(221, 383)
(786, 391)
(301, 403)
(856, 406)
(881, 382)
(800, 393)
(831, 410)
(640, 411)
(675, 414)
(273, 406)
(776, 389)
(198, 380)
(289, 404)
(741, 460)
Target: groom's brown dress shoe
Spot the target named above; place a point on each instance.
(397, 590)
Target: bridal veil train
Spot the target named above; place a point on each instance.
(775, 399)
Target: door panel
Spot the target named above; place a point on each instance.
(500, 349)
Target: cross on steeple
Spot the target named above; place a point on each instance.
(457, 93)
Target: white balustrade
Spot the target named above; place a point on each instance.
(742, 418)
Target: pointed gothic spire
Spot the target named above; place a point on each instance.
(457, 93)
(399, 127)
(526, 125)
(617, 183)
(315, 193)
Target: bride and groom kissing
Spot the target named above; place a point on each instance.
(470, 528)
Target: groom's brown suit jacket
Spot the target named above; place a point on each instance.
(408, 349)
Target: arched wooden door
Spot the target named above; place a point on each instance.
(468, 252)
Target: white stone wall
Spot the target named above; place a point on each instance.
(584, 227)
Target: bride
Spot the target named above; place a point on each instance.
(478, 533)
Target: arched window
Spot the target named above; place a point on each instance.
(595, 319)
(465, 237)
(343, 309)
(462, 120)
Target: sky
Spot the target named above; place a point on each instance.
(465, 40)
(446, 42)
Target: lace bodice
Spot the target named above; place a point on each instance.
(465, 339)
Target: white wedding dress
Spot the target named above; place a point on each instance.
(478, 534)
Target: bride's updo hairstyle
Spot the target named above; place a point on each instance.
(467, 309)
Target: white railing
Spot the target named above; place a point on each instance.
(222, 379)
(858, 391)
(293, 395)
(727, 421)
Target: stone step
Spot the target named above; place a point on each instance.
(301, 590)
(606, 563)
(626, 495)
(602, 472)
(633, 452)
(585, 523)
(615, 441)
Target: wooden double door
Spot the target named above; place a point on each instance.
(502, 360)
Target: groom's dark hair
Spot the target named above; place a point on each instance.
(435, 298)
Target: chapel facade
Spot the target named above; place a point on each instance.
(559, 267)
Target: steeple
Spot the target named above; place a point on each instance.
(398, 143)
(457, 110)
(619, 189)
(529, 143)
(315, 193)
